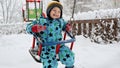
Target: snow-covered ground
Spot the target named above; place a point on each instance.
(14, 53)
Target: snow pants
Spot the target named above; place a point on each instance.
(48, 56)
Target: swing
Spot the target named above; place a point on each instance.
(30, 13)
(36, 54)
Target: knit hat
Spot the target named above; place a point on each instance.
(53, 4)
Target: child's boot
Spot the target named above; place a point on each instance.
(70, 66)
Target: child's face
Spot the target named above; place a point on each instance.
(55, 13)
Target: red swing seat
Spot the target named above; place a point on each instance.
(40, 48)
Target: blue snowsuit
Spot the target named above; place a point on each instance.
(53, 33)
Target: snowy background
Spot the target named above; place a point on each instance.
(14, 42)
(14, 53)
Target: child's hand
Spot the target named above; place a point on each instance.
(68, 27)
(38, 28)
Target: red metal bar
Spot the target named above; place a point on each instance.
(33, 0)
(57, 48)
(71, 45)
(33, 44)
(64, 36)
(40, 49)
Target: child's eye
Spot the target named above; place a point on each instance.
(54, 10)
(58, 11)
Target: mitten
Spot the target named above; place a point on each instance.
(38, 28)
(68, 27)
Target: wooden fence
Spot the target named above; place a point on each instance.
(107, 29)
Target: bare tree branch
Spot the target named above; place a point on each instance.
(11, 10)
(2, 6)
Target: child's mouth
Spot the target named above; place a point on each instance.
(54, 15)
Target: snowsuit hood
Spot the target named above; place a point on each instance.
(51, 5)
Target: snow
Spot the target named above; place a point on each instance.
(14, 53)
(1, 17)
(12, 28)
(96, 14)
